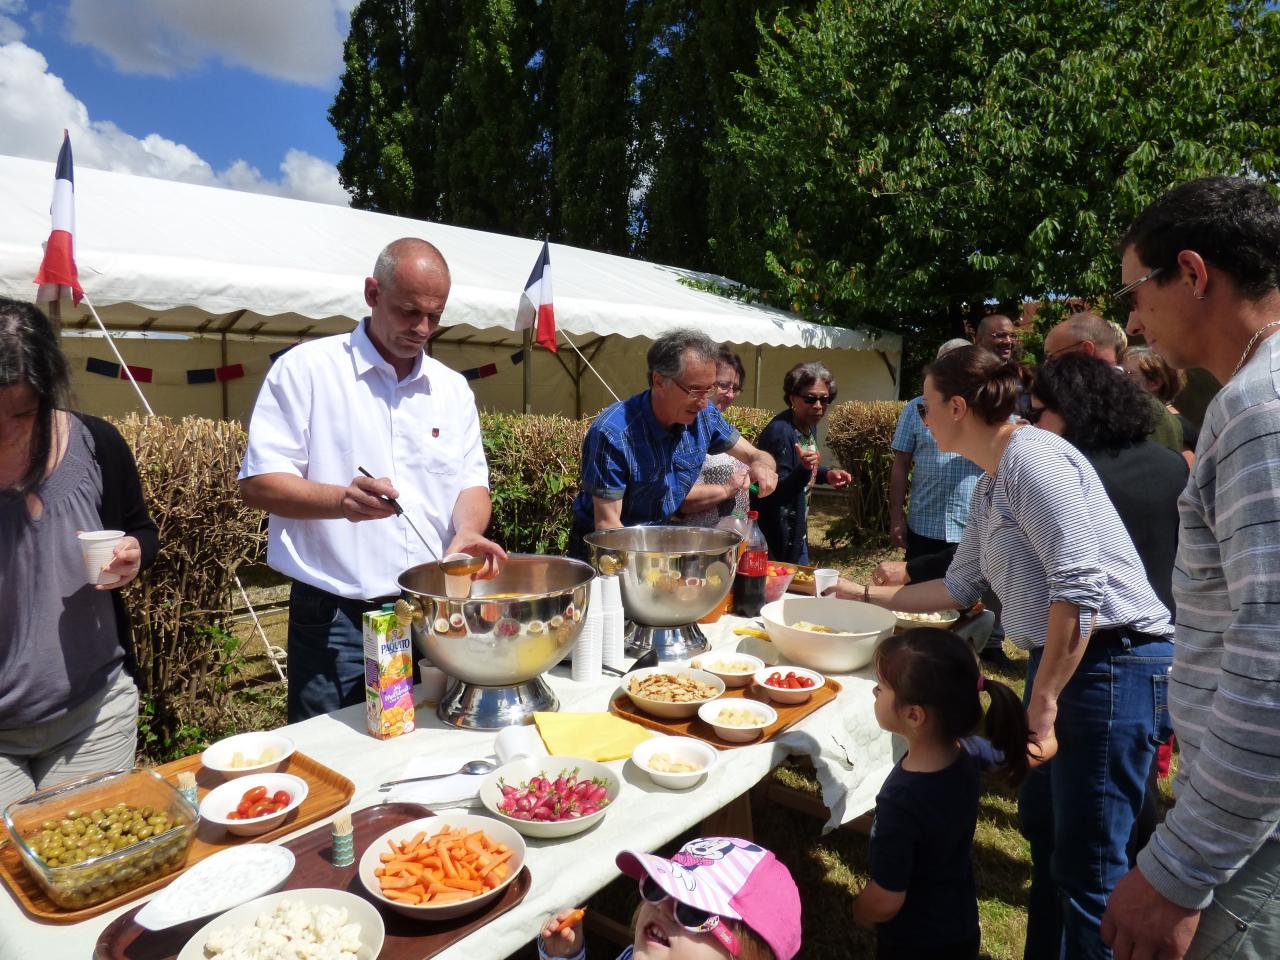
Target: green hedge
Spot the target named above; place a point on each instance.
(859, 433)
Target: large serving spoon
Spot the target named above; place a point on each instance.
(472, 768)
(451, 568)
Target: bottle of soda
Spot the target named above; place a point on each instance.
(749, 583)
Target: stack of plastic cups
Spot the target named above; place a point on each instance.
(588, 648)
(614, 623)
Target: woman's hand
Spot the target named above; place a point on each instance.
(126, 562)
(838, 479)
(890, 573)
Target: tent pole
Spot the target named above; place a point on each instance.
(577, 388)
(528, 370)
(759, 358)
(224, 382)
(55, 317)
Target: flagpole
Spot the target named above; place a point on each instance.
(589, 366)
(55, 317)
(124, 366)
(528, 370)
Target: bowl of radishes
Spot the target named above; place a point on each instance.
(550, 797)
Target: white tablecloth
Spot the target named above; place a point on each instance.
(851, 753)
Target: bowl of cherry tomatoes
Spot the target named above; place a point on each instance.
(789, 684)
(777, 579)
(250, 806)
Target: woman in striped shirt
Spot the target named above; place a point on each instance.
(1043, 534)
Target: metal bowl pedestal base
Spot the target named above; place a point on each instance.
(473, 707)
(667, 643)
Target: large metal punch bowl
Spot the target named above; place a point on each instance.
(499, 641)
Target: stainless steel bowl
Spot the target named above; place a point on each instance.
(670, 576)
(503, 637)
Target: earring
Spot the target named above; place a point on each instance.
(1200, 296)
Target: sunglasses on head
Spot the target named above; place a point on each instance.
(691, 918)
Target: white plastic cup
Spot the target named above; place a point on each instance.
(432, 682)
(824, 578)
(457, 587)
(97, 547)
(610, 593)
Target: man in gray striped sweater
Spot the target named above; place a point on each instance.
(1201, 267)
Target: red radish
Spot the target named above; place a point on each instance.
(564, 798)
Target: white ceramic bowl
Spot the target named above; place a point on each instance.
(495, 830)
(663, 709)
(224, 798)
(220, 881)
(863, 626)
(686, 749)
(519, 772)
(717, 664)
(943, 619)
(359, 910)
(218, 756)
(789, 694)
(709, 713)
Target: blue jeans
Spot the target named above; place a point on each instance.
(1077, 810)
(326, 651)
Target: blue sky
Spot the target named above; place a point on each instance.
(230, 93)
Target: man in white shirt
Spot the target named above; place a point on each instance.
(370, 398)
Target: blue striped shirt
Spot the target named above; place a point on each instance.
(628, 455)
(1042, 529)
(1224, 691)
(941, 483)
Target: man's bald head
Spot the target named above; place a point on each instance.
(408, 249)
(1084, 332)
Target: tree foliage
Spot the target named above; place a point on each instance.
(920, 157)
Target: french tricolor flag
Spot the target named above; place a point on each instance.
(57, 275)
(535, 302)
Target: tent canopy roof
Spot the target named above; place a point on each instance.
(163, 255)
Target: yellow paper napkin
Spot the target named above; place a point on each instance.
(593, 736)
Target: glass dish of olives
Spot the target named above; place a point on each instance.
(94, 839)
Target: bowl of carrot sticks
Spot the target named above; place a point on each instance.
(442, 867)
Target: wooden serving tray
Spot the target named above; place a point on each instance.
(788, 714)
(327, 792)
(407, 939)
(803, 588)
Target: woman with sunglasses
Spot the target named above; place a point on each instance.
(1043, 534)
(721, 487)
(791, 437)
(717, 897)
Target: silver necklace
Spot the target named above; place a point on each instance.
(1248, 347)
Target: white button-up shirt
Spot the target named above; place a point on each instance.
(333, 405)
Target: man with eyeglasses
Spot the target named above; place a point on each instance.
(1086, 332)
(642, 455)
(995, 332)
(1201, 270)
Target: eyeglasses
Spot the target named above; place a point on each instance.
(922, 408)
(1124, 296)
(812, 399)
(1053, 354)
(1033, 414)
(702, 394)
(692, 919)
(728, 386)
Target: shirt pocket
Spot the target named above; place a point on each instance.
(430, 448)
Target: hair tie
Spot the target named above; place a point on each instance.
(979, 682)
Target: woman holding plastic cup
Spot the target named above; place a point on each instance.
(68, 706)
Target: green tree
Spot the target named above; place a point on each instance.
(918, 157)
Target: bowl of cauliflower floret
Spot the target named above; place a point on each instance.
(313, 923)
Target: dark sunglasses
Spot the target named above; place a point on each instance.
(815, 398)
(1033, 415)
(691, 918)
(922, 408)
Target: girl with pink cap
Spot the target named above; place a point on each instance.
(717, 897)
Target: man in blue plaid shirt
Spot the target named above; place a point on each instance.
(641, 455)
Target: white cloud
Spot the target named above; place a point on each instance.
(37, 106)
(296, 40)
(10, 29)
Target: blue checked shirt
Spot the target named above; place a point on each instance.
(629, 456)
(941, 483)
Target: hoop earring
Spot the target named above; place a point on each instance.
(1200, 296)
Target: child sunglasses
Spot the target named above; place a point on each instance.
(691, 918)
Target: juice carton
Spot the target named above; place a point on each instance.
(388, 674)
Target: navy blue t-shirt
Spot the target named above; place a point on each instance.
(922, 842)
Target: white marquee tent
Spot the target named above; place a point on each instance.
(204, 278)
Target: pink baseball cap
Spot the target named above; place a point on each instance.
(732, 878)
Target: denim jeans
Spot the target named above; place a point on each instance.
(1243, 922)
(326, 651)
(1078, 809)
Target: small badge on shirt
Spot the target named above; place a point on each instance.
(435, 433)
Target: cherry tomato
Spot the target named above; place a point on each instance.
(233, 815)
(262, 809)
(243, 807)
(281, 798)
(254, 794)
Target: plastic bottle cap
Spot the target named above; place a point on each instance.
(754, 488)
(753, 514)
(388, 608)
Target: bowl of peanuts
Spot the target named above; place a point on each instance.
(676, 763)
(671, 693)
(738, 721)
